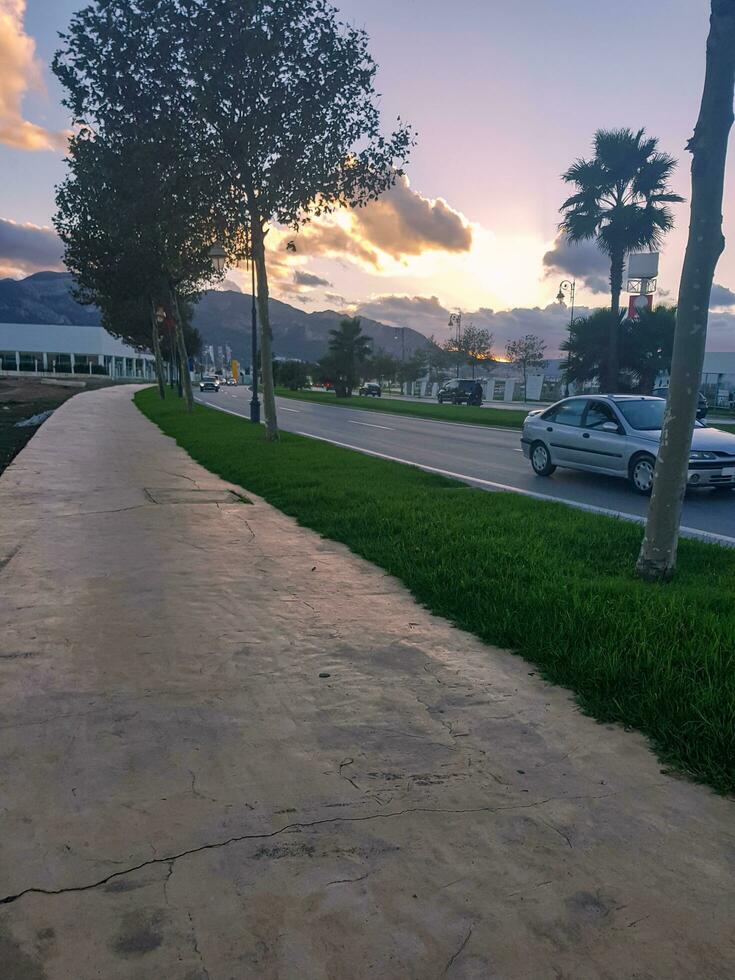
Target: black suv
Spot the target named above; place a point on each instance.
(460, 392)
(702, 405)
(371, 389)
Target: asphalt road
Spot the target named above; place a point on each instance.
(488, 457)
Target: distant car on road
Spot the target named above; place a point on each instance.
(230, 382)
(702, 406)
(619, 435)
(209, 384)
(370, 390)
(461, 391)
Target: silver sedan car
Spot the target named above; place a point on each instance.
(619, 435)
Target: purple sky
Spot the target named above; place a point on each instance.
(503, 96)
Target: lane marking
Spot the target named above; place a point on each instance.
(284, 409)
(688, 532)
(370, 425)
(398, 416)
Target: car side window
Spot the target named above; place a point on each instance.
(597, 414)
(570, 413)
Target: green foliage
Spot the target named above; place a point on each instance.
(645, 346)
(554, 584)
(622, 193)
(349, 350)
(526, 352)
(291, 374)
(474, 346)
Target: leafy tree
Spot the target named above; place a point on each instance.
(285, 95)
(413, 367)
(526, 352)
(137, 212)
(644, 350)
(349, 350)
(382, 366)
(474, 346)
(438, 360)
(708, 146)
(621, 202)
(647, 345)
(291, 374)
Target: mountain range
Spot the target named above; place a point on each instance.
(222, 317)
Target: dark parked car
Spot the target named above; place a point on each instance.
(370, 389)
(460, 392)
(702, 405)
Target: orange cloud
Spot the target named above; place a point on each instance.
(20, 72)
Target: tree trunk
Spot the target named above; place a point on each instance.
(184, 376)
(160, 373)
(617, 261)
(266, 335)
(708, 146)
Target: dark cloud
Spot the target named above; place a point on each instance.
(721, 296)
(337, 299)
(333, 240)
(308, 279)
(583, 261)
(429, 316)
(403, 222)
(27, 248)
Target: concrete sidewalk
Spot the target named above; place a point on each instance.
(184, 796)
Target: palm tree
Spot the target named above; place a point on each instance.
(348, 349)
(622, 202)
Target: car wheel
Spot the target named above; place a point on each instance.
(541, 460)
(641, 473)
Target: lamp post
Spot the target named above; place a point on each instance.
(567, 287)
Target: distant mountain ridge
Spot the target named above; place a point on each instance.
(222, 317)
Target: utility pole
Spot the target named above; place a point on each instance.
(568, 286)
(455, 320)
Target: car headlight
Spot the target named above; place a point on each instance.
(700, 456)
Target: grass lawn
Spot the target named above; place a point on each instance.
(554, 584)
(505, 418)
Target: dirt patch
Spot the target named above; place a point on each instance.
(20, 400)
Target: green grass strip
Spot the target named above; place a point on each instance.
(498, 417)
(554, 584)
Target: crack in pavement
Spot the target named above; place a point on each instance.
(458, 953)
(170, 858)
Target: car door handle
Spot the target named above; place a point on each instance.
(585, 435)
(549, 429)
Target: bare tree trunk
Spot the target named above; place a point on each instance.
(266, 335)
(708, 146)
(160, 374)
(185, 377)
(617, 261)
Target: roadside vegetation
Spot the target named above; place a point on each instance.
(553, 584)
(505, 418)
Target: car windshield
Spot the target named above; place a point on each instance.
(646, 415)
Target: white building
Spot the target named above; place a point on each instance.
(61, 349)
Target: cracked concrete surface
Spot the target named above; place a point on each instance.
(184, 797)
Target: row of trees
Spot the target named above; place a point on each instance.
(201, 122)
(351, 359)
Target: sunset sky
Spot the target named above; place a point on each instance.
(503, 95)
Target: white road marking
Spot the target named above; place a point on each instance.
(688, 532)
(296, 410)
(371, 426)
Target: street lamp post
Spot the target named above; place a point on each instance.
(568, 287)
